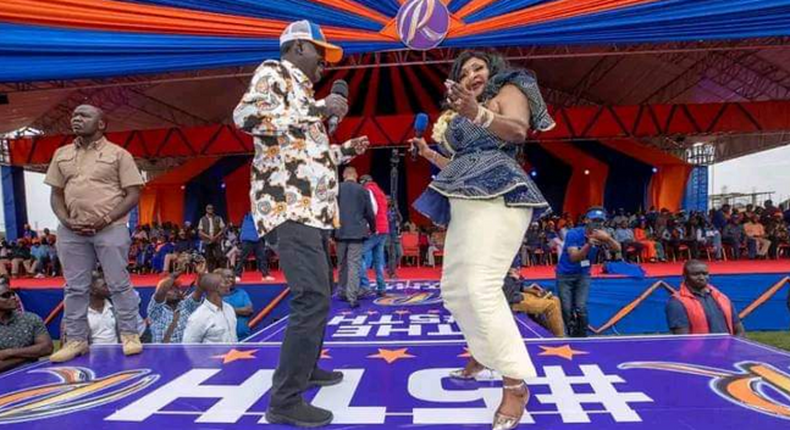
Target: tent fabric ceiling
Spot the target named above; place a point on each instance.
(185, 63)
(571, 81)
(39, 38)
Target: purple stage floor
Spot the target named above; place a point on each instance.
(406, 313)
(396, 355)
(659, 383)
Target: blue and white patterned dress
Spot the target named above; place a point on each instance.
(483, 166)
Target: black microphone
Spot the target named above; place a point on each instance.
(420, 125)
(339, 87)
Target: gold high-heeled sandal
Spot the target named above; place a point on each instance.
(506, 422)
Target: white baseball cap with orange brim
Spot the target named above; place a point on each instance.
(307, 30)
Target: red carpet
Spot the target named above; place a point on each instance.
(414, 273)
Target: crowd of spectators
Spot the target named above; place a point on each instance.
(726, 233)
(214, 309)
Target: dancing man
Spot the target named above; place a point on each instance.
(294, 195)
(487, 201)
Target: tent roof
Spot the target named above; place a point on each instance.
(153, 64)
(66, 39)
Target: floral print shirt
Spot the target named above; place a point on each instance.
(294, 171)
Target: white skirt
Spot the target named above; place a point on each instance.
(482, 240)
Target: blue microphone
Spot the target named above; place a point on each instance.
(420, 125)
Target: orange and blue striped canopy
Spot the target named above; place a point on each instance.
(68, 39)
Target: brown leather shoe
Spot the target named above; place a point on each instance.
(131, 344)
(70, 351)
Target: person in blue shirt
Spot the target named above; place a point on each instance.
(721, 216)
(251, 242)
(573, 270)
(240, 301)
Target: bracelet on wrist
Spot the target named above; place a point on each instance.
(484, 117)
(480, 114)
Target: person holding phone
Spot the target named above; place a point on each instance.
(579, 252)
(486, 200)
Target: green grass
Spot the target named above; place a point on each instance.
(777, 339)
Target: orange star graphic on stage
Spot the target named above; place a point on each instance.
(371, 312)
(564, 351)
(434, 311)
(391, 355)
(236, 355)
(325, 354)
(401, 312)
(465, 354)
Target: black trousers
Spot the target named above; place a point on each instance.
(261, 256)
(304, 257)
(214, 257)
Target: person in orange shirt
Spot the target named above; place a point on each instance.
(653, 250)
(756, 241)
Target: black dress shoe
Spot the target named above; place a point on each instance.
(353, 305)
(301, 415)
(325, 378)
(342, 298)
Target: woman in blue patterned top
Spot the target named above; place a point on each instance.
(486, 200)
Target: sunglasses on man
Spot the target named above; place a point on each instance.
(8, 295)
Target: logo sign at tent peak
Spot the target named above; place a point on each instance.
(423, 24)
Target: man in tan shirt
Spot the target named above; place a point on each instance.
(95, 184)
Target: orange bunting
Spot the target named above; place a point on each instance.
(544, 12)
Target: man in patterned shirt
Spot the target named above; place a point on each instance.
(294, 194)
(23, 336)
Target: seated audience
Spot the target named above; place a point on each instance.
(756, 242)
(23, 336)
(164, 246)
(182, 249)
(534, 301)
(710, 237)
(625, 236)
(699, 308)
(170, 308)
(435, 244)
(20, 256)
(6, 251)
(140, 233)
(733, 235)
(101, 314)
(777, 233)
(28, 233)
(535, 248)
(214, 321)
(240, 301)
(40, 253)
(653, 250)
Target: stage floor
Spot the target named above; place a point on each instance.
(659, 383)
(410, 311)
(396, 354)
